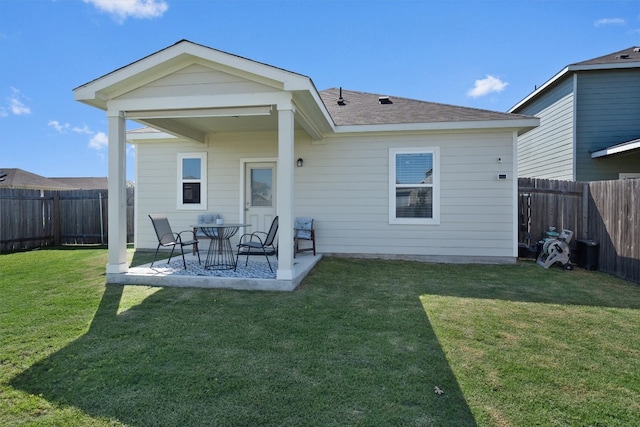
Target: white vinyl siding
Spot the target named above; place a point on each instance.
(547, 151)
(157, 172)
(344, 186)
(196, 80)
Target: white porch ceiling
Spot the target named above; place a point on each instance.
(195, 124)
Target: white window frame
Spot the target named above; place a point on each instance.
(435, 152)
(203, 182)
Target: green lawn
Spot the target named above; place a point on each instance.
(361, 342)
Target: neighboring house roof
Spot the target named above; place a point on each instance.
(359, 108)
(627, 58)
(84, 183)
(18, 178)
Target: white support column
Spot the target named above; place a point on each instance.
(286, 114)
(117, 209)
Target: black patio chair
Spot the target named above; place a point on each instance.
(166, 238)
(253, 244)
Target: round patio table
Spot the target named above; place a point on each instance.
(220, 255)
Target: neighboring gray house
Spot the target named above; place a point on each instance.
(589, 121)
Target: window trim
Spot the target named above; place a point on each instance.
(435, 152)
(202, 156)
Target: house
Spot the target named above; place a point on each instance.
(589, 121)
(19, 178)
(382, 176)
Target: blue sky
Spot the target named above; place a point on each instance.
(482, 53)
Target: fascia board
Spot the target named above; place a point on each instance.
(289, 79)
(314, 110)
(595, 67)
(522, 125)
(200, 101)
(540, 89)
(168, 55)
(179, 56)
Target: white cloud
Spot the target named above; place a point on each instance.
(18, 108)
(15, 105)
(486, 86)
(99, 141)
(61, 128)
(123, 9)
(609, 21)
(84, 130)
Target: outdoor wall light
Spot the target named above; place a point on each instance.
(300, 162)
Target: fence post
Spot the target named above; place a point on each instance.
(585, 211)
(56, 219)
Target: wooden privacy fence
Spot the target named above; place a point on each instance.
(37, 218)
(607, 212)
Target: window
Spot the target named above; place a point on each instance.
(192, 181)
(414, 186)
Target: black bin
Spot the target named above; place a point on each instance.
(588, 253)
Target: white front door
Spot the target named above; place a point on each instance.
(260, 195)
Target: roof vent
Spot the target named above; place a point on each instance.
(384, 100)
(341, 99)
(623, 56)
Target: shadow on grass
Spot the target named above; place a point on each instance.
(319, 356)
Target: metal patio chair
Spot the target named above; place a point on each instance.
(303, 230)
(166, 238)
(253, 244)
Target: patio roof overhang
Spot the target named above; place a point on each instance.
(196, 124)
(194, 115)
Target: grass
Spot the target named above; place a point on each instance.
(361, 342)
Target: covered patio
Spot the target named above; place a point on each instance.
(194, 101)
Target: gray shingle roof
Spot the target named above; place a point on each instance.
(84, 183)
(621, 57)
(362, 108)
(18, 178)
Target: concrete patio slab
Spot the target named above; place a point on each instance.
(195, 276)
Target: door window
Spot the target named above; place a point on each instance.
(262, 187)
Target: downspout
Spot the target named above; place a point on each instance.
(514, 198)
